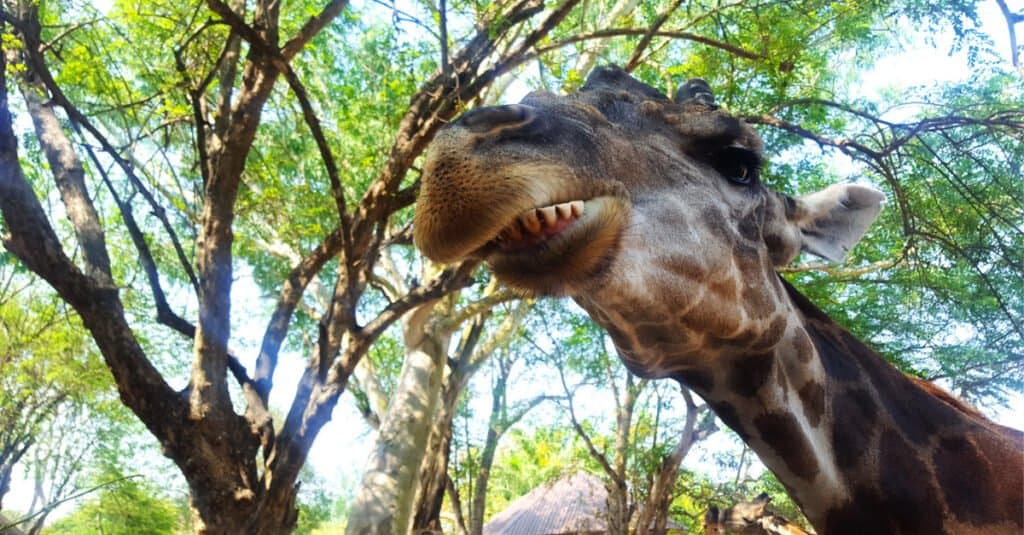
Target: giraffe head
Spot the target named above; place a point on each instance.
(742, 517)
(648, 211)
(751, 517)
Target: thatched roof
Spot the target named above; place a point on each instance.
(573, 504)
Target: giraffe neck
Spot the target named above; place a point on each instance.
(869, 450)
(861, 447)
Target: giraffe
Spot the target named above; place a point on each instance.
(649, 212)
(751, 518)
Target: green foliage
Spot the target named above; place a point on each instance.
(118, 499)
(528, 459)
(124, 505)
(696, 493)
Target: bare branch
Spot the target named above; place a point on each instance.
(65, 165)
(845, 145)
(838, 271)
(449, 280)
(618, 32)
(309, 115)
(446, 67)
(580, 432)
(67, 31)
(33, 240)
(288, 298)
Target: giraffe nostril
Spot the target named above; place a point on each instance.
(482, 120)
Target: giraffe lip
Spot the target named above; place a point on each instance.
(534, 227)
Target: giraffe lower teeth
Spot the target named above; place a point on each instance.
(538, 224)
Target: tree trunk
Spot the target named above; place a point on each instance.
(618, 508)
(653, 517)
(434, 471)
(384, 502)
(483, 476)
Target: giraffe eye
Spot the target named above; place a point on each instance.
(739, 165)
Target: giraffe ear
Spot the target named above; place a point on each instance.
(833, 220)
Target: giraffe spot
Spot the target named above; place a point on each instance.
(859, 516)
(730, 417)
(688, 268)
(726, 289)
(700, 380)
(641, 312)
(757, 298)
(909, 498)
(712, 320)
(771, 336)
(812, 395)
(750, 373)
(803, 349)
(916, 413)
(959, 467)
(748, 227)
(1007, 453)
(716, 223)
(852, 413)
(748, 260)
(783, 434)
(649, 335)
(740, 341)
(837, 363)
(774, 242)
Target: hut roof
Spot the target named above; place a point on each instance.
(573, 504)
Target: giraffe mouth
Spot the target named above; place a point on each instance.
(554, 249)
(538, 225)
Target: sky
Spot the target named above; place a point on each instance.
(344, 443)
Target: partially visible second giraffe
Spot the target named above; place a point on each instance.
(749, 518)
(650, 214)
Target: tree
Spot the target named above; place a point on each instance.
(214, 110)
(467, 479)
(49, 374)
(640, 465)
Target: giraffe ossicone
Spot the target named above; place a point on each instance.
(650, 213)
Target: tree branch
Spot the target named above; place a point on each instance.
(311, 28)
(448, 281)
(1011, 27)
(645, 41)
(619, 32)
(288, 298)
(597, 455)
(65, 165)
(31, 238)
